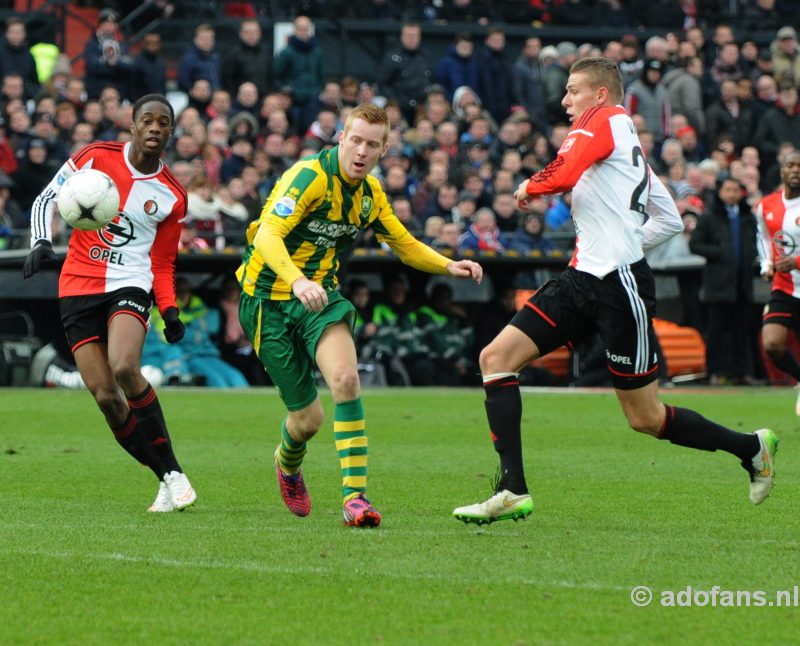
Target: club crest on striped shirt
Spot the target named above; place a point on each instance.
(150, 207)
(366, 205)
(784, 243)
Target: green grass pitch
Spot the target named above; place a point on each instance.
(81, 562)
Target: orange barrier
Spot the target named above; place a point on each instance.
(683, 348)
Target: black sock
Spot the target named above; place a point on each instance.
(148, 414)
(131, 438)
(687, 428)
(788, 364)
(504, 411)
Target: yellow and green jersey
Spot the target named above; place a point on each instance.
(318, 214)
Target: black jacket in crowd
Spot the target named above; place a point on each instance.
(405, 75)
(245, 63)
(723, 281)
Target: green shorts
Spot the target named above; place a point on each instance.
(285, 336)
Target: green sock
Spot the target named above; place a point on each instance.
(349, 432)
(290, 452)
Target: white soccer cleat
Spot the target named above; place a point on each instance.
(797, 402)
(762, 466)
(180, 490)
(163, 501)
(503, 505)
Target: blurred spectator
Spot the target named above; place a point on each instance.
(529, 237)
(494, 74)
(107, 59)
(149, 74)
(648, 97)
(692, 151)
(760, 15)
(203, 212)
(729, 116)
(458, 67)
(329, 98)
(726, 237)
(442, 203)
(556, 80)
(15, 56)
(483, 234)
(528, 82)
(785, 57)
(685, 95)
(241, 155)
(323, 132)
(446, 240)
(726, 66)
(397, 343)
(363, 327)
(406, 71)
(8, 159)
(448, 338)
(250, 197)
(201, 60)
(779, 124)
(34, 172)
(238, 206)
(465, 208)
(432, 228)
(632, 64)
(246, 100)
(235, 347)
(298, 67)
(189, 240)
(504, 206)
(249, 60)
(766, 96)
(220, 105)
(197, 352)
(402, 209)
(559, 216)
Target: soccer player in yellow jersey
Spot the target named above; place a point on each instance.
(295, 316)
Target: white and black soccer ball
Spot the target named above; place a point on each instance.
(88, 200)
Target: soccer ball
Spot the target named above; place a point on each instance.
(88, 200)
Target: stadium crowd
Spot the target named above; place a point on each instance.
(466, 130)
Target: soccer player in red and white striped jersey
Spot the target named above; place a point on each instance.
(620, 209)
(778, 218)
(106, 281)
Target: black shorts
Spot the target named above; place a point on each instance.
(86, 318)
(783, 309)
(619, 306)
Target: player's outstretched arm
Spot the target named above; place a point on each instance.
(465, 269)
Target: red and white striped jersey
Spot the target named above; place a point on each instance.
(619, 206)
(779, 235)
(138, 248)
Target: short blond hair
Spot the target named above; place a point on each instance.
(369, 113)
(601, 72)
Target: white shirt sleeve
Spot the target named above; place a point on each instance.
(763, 242)
(44, 204)
(663, 219)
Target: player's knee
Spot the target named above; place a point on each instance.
(127, 374)
(491, 360)
(648, 422)
(774, 349)
(108, 400)
(345, 384)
